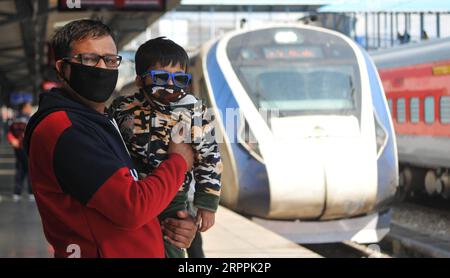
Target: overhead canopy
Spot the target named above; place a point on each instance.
(253, 5)
(423, 6)
(256, 2)
(27, 25)
(412, 6)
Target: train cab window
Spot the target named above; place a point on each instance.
(401, 110)
(414, 110)
(297, 72)
(429, 110)
(204, 92)
(390, 106)
(444, 107)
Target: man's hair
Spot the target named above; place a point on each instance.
(75, 31)
(159, 50)
(21, 106)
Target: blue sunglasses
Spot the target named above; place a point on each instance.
(162, 77)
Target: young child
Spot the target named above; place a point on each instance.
(160, 112)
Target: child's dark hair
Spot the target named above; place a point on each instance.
(159, 50)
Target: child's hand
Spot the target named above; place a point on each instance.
(205, 218)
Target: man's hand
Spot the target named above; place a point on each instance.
(184, 150)
(205, 219)
(15, 143)
(179, 232)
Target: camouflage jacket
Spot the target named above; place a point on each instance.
(147, 128)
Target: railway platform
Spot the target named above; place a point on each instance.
(21, 234)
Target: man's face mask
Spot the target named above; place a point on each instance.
(93, 83)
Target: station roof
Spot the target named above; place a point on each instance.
(257, 2)
(433, 50)
(254, 5)
(26, 26)
(410, 6)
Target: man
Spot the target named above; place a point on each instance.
(87, 192)
(15, 138)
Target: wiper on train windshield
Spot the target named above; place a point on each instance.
(260, 97)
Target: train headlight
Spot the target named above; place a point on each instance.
(381, 135)
(286, 37)
(248, 140)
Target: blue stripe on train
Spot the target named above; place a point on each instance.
(386, 163)
(254, 192)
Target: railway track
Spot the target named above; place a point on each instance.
(347, 249)
(420, 229)
(404, 242)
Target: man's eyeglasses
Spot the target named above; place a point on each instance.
(161, 78)
(92, 59)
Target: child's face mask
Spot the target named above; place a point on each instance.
(164, 94)
(166, 86)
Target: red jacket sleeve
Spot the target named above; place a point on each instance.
(131, 204)
(90, 171)
(10, 136)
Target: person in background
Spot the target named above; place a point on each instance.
(15, 138)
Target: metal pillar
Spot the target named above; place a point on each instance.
(374, 29)
(334, 21)
(438, 25)
(396, 23)
(366, 27)
(406, 23)
(385, 43)
(378, 30)
(422, 27)
(392, 29)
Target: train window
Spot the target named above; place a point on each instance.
(401, 110)
(429, 110)
(390, 106)
(414, 110)
(297, 71)
(445, 109)
(204, 92)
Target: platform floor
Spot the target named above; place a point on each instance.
(233, 236)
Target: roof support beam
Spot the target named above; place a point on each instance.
(5, 87)
(33, 31)
(12, 65)
(136, 23)
(12, 18)
(10, 48)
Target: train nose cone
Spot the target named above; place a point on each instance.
(323, 169)
(297, 182)
(351, 181)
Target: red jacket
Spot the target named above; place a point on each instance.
(17, 129)
(86, 190)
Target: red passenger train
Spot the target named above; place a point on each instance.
(416, 79)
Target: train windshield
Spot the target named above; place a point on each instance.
(297, 71)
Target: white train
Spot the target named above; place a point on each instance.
(323, 166)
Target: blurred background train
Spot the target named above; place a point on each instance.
(416, 79)
(305, 132)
